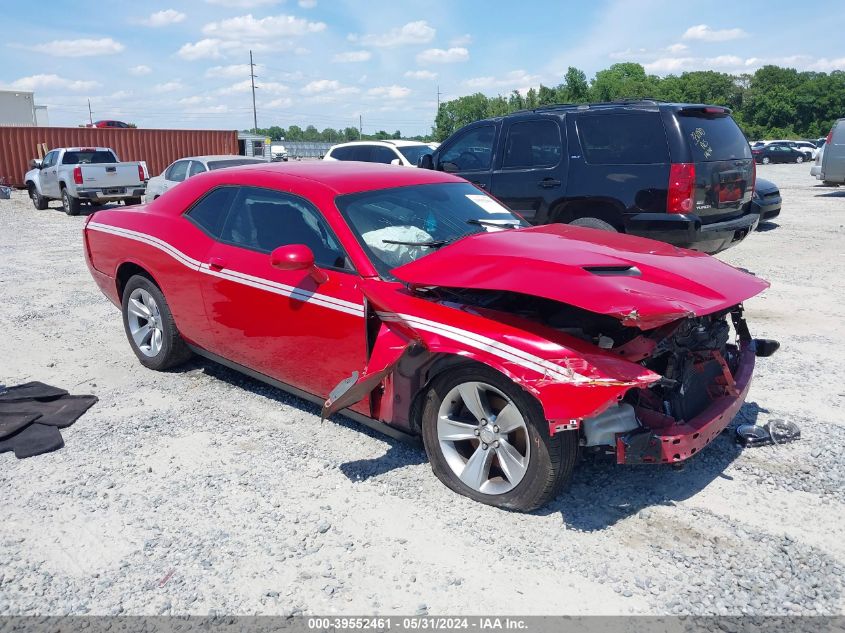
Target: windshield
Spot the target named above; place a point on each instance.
(85, 157)
(235, 162)
(413, 153)
(397, 226)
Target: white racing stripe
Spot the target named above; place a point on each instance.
(502, 350)
(284, 290)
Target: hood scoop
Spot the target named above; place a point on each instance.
(614, 271)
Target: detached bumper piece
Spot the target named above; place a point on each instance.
(666, 440)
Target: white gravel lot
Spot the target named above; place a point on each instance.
(201, 491)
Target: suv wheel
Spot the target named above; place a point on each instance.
(150, 327)
(594, 223)
(69, 203)
(487, 439)
(766, 160)
(38, 201)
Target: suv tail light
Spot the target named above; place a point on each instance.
(829, 137)
(141, 173)
(680, 198)
(77, 175)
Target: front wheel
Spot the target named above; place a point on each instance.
(800, 159)
(487, 439)
(766, 160)
(38, 201)
(70, 204)
(149, 326)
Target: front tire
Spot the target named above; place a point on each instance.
(799, 159)
(487, 439)
(38, 201)
(594, 223)
(70, 204)
(149, 326)
(766, 160)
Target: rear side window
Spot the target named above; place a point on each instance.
(382, 155)
(209, 212)
(713, 138)
(532, 144)
(196, 168)
(623, 139)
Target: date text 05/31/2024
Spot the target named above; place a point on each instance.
(432, 623)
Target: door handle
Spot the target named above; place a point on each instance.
(480, 185)
(548, 183)
(217, 263)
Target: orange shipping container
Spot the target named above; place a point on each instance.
(159, 148)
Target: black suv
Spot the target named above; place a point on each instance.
(680, 173)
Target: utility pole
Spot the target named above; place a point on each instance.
(90, 114)
(360, 127)
(252, 78)
(438, 97)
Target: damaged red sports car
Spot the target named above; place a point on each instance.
(417, 304)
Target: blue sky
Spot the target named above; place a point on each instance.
(168, 63)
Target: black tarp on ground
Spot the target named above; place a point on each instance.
(31, 415)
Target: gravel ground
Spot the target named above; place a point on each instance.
(200, 491)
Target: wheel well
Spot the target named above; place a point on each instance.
(126, 271)
(602, 209)
(30, 185)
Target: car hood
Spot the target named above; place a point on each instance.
(642, 282)
(765, 186)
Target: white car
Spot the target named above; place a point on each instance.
(184, 168)
(397, 152)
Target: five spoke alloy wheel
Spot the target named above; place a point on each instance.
(145, 323)
(483, 437)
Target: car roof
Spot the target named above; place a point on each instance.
(388, 143)
(644, 105)
(213, 157)
(339, 177)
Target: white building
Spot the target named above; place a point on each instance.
(17, 108)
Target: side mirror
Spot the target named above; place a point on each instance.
(426, 161)
(396, 161)
(36, 163)
(449, 168)
(297, 257)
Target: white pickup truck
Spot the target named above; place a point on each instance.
(77, 175)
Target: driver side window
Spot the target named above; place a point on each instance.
(177, 171)
(473, 151)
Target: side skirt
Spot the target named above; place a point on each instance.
(370, 423)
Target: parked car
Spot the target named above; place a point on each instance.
(805, 147)
(77, 175)
(419, 305)
(396, 152)
(184, 168)
(816, 169)
(278, 153)
(833, 159)
(680, 173)
(766, 201)
(774, 153)
(109, 123)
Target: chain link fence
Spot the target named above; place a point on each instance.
(306, 149)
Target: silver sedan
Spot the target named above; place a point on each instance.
(184, 168)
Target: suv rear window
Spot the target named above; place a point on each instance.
(713, 138)
(623, 139)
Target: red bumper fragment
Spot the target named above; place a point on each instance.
(668, 441)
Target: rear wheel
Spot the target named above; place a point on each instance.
(487, 439)
(149, 325)
(38, 201)
(594, 223)
(70, 204)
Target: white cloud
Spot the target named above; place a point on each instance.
(244, 4)
(418, 32)
(282, 102)
(461, 40)
(230, 71)
(352, 56)
(677, 48)
(420, 74)
(328, 85)
(51, 82)
(390, 92)
(515, 80)
(164, 18)
(170, 86)
(209, 48)
(307, 4)
(443, 56)
(139, 70)
(79, 48)
(191, 101)
(247, 27)
(704, 32)
(268, 87)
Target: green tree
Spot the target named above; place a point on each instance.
(575, 88)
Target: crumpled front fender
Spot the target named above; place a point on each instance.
(570, 385)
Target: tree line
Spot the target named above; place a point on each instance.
(772, 102)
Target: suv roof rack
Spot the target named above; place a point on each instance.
(571, 106)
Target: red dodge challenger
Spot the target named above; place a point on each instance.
(419, 305)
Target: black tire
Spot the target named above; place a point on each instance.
(132, 201)
(173, 350)
(799, 159)
(70, 204)
(766, 160)
(551, 460)
(38, 201)
(594, 223)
